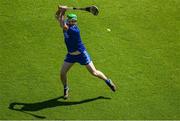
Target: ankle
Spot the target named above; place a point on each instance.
(107, 81)
(66, 86)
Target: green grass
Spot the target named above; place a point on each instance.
(141, 55)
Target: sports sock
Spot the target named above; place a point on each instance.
(65, 86)
(108, 81)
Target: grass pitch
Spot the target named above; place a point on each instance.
(141, 54)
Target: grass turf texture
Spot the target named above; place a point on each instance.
(141, 54)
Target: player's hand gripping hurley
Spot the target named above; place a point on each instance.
(92, 9)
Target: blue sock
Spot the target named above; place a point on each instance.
(107, 81)
(65, 86)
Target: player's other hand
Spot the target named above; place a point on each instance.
(64, 8)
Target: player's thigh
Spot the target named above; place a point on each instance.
(65, 67)
(91, 68)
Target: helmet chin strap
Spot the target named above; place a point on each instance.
(71, 24)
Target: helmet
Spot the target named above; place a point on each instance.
(72, 16)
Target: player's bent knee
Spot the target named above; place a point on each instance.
(94, 73)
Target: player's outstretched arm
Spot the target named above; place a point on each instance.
(60, 15)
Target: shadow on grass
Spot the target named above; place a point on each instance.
(23, 107)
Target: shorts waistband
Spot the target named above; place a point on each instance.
(75, 53)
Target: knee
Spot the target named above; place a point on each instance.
(63, 74)
(94, 73)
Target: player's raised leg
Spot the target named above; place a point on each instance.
(91, 68)
(63, 75)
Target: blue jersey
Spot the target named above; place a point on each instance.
(73, 40)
